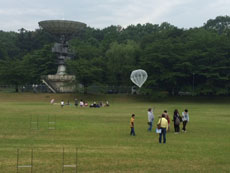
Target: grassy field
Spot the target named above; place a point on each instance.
(101, 135)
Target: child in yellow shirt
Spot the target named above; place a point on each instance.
(132, 132)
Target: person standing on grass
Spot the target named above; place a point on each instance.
(132, 132)
(150, 119)
(107, 103)
(167, 118)
(163, 122)
(176, 120)
(75, 102)
(62, 103)
(185, 119)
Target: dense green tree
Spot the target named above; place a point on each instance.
(221, 24)
(38, 63)
(12, 72)
(85, 71)
(8, 44)
(121, 60)
(196, 59)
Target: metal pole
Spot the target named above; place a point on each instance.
(37, 122)
(55, 122)
(30, 122)
(32, 157)
(63, 161)
(17, 159)
(76, 160)
(193, 83)
(48, 121)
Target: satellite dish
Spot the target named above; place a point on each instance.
(138, 77)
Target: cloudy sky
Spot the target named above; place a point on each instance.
(16, 14)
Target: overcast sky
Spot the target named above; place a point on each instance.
(16, 14)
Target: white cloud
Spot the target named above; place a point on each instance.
(134, 12)
(15, 14)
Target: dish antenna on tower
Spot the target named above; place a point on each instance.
(63, 30)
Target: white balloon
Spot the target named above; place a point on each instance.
(139, 77)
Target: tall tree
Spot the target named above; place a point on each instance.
(12, 72)
(121, 60)
(38, 63)
(221, 24)
(86, 73)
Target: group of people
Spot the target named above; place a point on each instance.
(163, 124)
(98, 105)
(62, 103)
(178, 119)
(82, 103)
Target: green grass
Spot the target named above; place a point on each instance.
(101, 135)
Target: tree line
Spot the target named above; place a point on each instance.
(194, 60)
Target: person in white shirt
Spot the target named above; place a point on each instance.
(81, 103)
(62, 103)
(150, 119)
(185, 119)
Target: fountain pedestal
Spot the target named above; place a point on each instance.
(60, 83)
